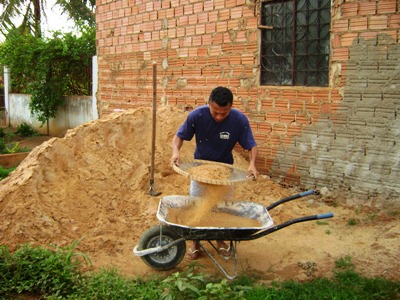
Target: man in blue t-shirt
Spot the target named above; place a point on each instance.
(217, 128)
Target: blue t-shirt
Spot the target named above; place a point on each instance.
(215, 141)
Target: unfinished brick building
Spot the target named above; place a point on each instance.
(318, 80)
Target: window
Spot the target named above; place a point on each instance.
(295, 42)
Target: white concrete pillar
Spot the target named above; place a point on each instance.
(95, 84)
(7, 87)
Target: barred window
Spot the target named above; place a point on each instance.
(295, 43)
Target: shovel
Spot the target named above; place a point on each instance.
(152, 192)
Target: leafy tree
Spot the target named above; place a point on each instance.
(30, 13)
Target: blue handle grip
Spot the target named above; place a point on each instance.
(306, 193)
(325, 215)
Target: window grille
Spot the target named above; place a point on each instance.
(295, 42)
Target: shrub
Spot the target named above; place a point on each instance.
(39, 271)
(25, 130)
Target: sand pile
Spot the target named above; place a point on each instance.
(92, 183)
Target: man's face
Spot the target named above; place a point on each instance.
(219, 113)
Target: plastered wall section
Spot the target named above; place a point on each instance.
(343, 137)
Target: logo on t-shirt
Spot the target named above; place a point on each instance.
(224, 135)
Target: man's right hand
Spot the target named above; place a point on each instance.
(175, 159)
(176, 146)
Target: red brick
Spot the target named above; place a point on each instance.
(217, 39)
(224, 15)
(296, 106)
(378, 22)
(208, 5)
(394, 21)
(279, 128)
(190, 30)
(182, 20)
(288, 118)
(281, 105)
(340, 54)
(267, 104)
(230, 3)
(358, 24)
(313, 107)
(302, 119)
(349, 9)
(213, 16)
(294, 129)
(321, 94)
(369, 35)
(198, 7)
(260, 137)
(387, 7)
(200, 29)
(264, 127)
(218, 4)
(222, 26)
(305, 94)
(236, 12)
(273, 117)
(197, 40)
(201, 17)
(201, 52)
(233, 24)
(367, 8)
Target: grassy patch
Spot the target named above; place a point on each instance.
(54, 274)
(4, 172)
(9, 138)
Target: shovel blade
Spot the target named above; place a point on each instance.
(153, 193)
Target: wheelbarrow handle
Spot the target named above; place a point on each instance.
(286, 224)
(325, 215)
(299, 195)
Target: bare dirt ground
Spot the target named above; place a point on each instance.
(92, 185)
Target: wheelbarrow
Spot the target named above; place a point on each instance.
(163, 246)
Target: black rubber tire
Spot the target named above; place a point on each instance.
(167, 259)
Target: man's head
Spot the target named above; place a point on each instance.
(221, 96)
(220, 103)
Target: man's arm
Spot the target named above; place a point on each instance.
(252, 170)
(177, 143)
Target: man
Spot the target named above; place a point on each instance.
(217, 128)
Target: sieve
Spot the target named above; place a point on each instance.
(237, 174)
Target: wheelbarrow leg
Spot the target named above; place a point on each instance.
(233, 249)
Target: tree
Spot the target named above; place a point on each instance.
(30, 12)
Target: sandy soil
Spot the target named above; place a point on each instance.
(92, 185)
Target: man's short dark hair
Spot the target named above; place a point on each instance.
(221, 96)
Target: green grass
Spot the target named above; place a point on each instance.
(4, 172)
(54, 273)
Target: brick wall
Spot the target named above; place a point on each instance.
(343, 137)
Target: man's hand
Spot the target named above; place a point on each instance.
(252, 171)
(175, 159)
(176, 147)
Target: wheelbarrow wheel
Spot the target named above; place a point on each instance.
(166, 259)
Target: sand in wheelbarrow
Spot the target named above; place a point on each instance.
(91, 185)
(203, 211)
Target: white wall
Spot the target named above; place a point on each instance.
(76, 111)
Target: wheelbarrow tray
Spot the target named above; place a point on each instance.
(243, 209)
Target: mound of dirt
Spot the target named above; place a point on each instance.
(92, 185)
